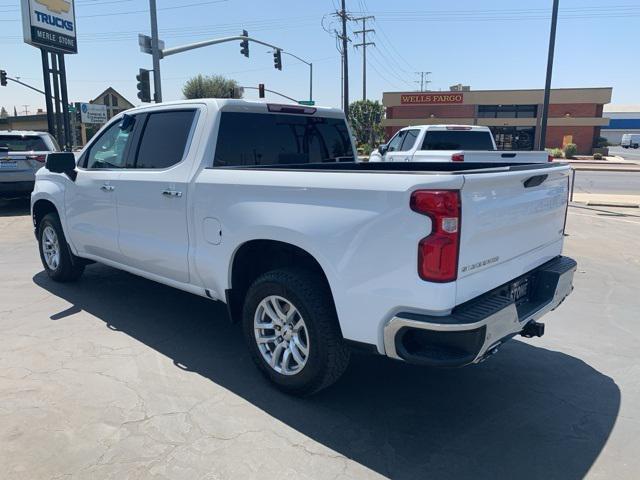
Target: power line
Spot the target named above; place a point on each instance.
(132, 12)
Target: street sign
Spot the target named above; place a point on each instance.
(92, 113)
(144, 41)
(309, 103)
(50, 24)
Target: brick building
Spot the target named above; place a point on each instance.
(575, 114)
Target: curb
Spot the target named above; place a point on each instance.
(608, 204)
(607, 169)
(612, 204)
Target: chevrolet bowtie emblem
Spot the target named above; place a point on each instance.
(56, 6)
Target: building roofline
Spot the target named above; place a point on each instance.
(499, 90)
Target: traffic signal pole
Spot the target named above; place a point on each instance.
(547, 85)
(155, 52)
(159, 53)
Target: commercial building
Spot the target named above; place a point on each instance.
(114, 102)
(514, 116)
(622, 119)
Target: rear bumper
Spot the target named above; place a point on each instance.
(9, 189)
(478, 327)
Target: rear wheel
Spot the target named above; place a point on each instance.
(58, 261)
(291, 329)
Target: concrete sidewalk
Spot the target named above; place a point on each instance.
(607, 200)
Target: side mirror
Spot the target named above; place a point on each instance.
(61, 162)
(382, 148)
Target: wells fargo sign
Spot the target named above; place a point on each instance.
(431, 98)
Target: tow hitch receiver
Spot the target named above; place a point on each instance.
(533, 329)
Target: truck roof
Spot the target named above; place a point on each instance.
(449, 126)
(239, 104)
(22, 132)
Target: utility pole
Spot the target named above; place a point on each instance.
(345, 60)
(423, 80)
(364, 45)
(155, 52)
(547, 85)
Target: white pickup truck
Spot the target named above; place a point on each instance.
(253, 204)
(450, 143)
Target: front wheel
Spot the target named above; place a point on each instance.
(292, 331)
(58, 261)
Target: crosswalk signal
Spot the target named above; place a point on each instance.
(3, 78)
(261, 90)
(244, 44)
(144, 87)
(277, 58)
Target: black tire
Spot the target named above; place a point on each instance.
(328, 356)
(69, 267)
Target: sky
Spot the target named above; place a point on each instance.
(494, 44)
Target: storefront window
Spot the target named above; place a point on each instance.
(514, 138)
(507, 111)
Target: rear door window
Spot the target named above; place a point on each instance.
(457, 140)
(276, 139)
(409, 140)
(164, 139)
(23, 143)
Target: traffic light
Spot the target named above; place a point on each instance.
(261, 90)
(277, 58)
(144, 87)
(244, 44)
(3, 78)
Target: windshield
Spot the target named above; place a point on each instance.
(457, 140)
(23, 143)
(275, 139)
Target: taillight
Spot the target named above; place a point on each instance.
(438, 252)
(457, 157)
(549, 158)
(38, 158)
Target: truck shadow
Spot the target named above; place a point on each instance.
(14, 207)
(528, 413)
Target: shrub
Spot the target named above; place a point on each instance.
(602, 142)
(556, 153)
(597, 156)
(570, 150)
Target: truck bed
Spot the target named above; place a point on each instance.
(405, 167)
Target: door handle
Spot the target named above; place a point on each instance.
(171, 193)
(107, 188)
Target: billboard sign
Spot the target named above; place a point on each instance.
(50, 24)
(431, 98)
(92, 113)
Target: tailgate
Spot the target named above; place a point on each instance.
(16, 166)
(512, 222)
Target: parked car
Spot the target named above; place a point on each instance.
(450, 143)
(249, 204)
(630, 140)
(22, 153)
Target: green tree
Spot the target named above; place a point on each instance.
(365, 118)
(3, 113)
(214, 86)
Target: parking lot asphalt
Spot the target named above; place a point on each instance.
(120, 377)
